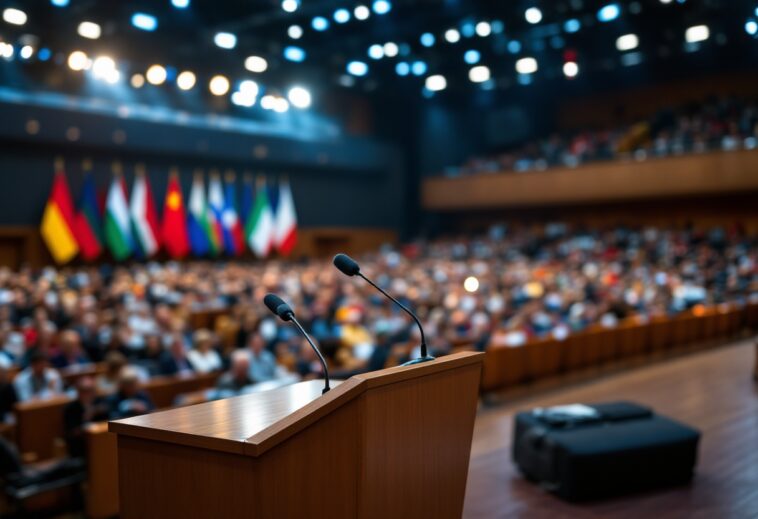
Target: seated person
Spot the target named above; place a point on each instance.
(238, 376)
(130, 399)
(202, 357)
(71, 353)
(107, 383)
(174, 361)
(38, 381)
(263, 365)
(88, 407)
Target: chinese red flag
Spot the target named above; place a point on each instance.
(174, 227)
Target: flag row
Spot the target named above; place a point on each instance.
(210, 224)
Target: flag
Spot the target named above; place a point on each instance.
(144, 216)
(247, 198)
(259, 228)
(234, 243)
(285, 234)
(215, 211)
(198, 224)
(89, 232)
(118, 234)
(58, 225)
(174, 228)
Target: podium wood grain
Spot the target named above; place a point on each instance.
(393, 443)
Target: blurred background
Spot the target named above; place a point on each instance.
(569, 186)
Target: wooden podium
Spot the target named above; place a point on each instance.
(389, 444)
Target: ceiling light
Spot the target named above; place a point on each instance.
(609, 13)
(138, 80)
(294, 54)
(59, 3)
(256, 64)
(402, 68)
(697, 33)
(751, 27)
(290, 5)
(533, 15)
(225, 40)
(573, 25)
(78, 60)
(14, 16)
(89, 30)
(241, 99)
(427, 39)
(146, 22)
(320, 23)
(526, 66)
(102, 66)
(219, 85)
(295, 32)
(299, 97)
(357, 68)
(627, 42)
(452, 35)
(26, 52)
(362, 12)
(391, 49)
(341, 16)
(382, 6)
(376, 51)
(281, 105)
(570, 69)
(479, 74)
(180, 4)
(186, 80)
(156, 75)
(483, 29)
(419, 68)
(268, 102)
(436, 83)
(472, 57)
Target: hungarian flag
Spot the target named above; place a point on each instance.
(144, 216)
(285, 235)
(259, 228)
(216, 211)
(198, 225)
(58, 221)
(174, 228)
(234, 243)
(89, 234)
(118, 234)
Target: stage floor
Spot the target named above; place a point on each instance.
(711, 390)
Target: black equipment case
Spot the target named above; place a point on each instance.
(584, 452)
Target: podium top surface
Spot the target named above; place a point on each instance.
(251, 424)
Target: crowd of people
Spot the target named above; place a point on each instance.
(499, 289)
(718, 123)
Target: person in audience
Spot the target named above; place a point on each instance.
(38, 381)
(8, 396)
(88, 407)
(130, 399)
(107, 383)
(174, 361)
(202, 357)
(70, 353)
(263, 365)
(238, 376)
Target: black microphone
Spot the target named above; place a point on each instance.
(350, 267)
(285, 313)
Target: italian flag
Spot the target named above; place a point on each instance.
(285, 235)
(117, 222)
(259, 228)
(144, 216)
(58, 222)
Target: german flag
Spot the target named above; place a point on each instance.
(58, 221)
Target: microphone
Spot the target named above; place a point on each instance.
(286, 314)
(350, 267)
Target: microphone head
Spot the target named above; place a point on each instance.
(277, 306)
(346, 265)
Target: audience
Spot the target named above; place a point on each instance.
(88, 407)
(203, 358)
(238, 377)
(130, 399)
(39, 380)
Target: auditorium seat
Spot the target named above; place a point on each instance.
(164, 390)
(543, 358)
(504, 366)
(39, 428)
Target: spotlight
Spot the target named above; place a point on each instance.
(14, 16)
(514, 46)
(533, 15)
(78, 60)
(295, 32)
(138, 80)
(281, 105)
(357, 68)
(89, 30)
(609, 13)
(627, 42)
(479, 74)
(382, 6)
(751, 27)
(6, 50)
(102, 66)
(452, 36)
(59, 3)
(156, 75)
(268, 102)
(225, 40)
(472, 57)
(526, 66)
(483, 29)
(294, 54)
(145, 22)
(44, 54)
(391, 49)
(468, 29)
(299, 97)
(402, 69)
(241, 99)
(376, 51)
(570, 69)
(320, 23)
(186, 80)
(341, 16)
(666, 1)
(362, 12)
(419, 68)
(256, 64)
(180, 4)
(572, 25)
(697, 33)
(290, 5)
(427, 39)
(250, 88)
(436, 83)
(26, 52)
(218, 85)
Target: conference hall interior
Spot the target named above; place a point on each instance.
(371, 259)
